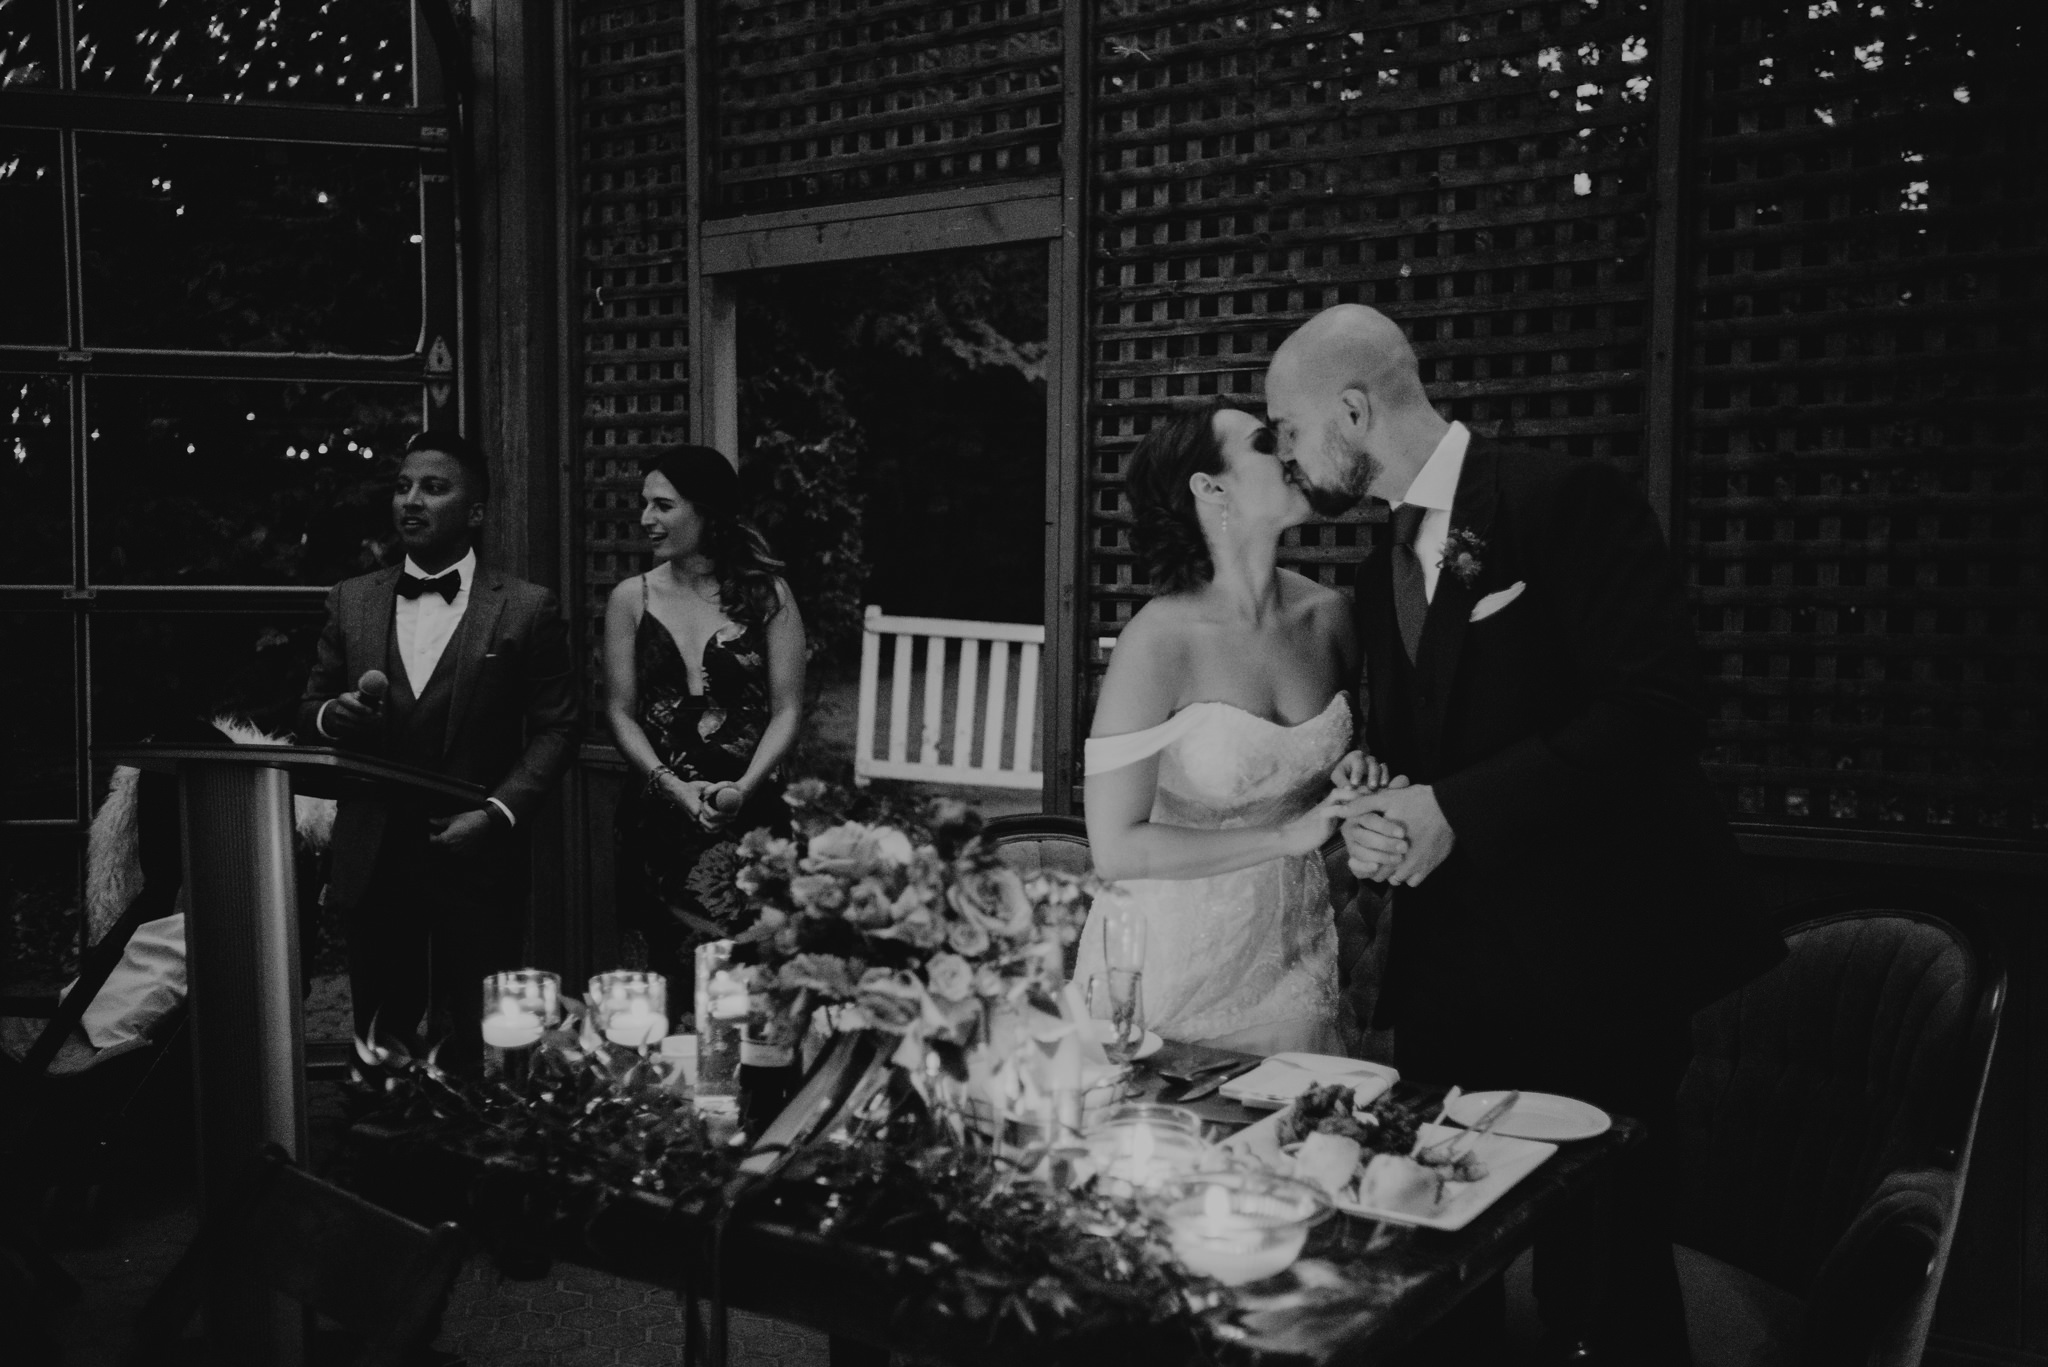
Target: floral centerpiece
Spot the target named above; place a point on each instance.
(916, 929)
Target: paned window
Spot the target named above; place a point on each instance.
(230, 298)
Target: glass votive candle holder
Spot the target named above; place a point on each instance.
(1134, 1156)
(718, 1037)
(519, 1006)
(1240, 1226)
(679, 1059)
(629, 1007)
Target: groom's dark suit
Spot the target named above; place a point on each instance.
(1594, 882)
(499, 709)
(1592, 899)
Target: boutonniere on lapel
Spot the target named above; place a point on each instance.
(1461, 558)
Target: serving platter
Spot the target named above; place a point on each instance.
(1507, 1161)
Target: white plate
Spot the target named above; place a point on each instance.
(1537, 1115)
(1507, 1162)
(1283, 1077)
(1147, 1047)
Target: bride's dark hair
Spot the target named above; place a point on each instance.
(1166, 532)
(739, 554)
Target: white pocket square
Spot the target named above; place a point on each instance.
(1494, 602)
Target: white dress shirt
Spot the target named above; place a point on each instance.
(1436, 488)
(427, 623)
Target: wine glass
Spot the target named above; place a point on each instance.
(1117, 996)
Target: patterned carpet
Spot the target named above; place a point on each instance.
(576, 1317)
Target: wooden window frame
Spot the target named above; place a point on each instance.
(1046, 209)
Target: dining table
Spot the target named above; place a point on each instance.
(1361, 1287)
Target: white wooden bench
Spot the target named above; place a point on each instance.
(975, 725)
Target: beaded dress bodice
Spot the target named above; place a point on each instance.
(1246, 949)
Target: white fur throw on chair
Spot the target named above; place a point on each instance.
(150, 978)
(113, 851)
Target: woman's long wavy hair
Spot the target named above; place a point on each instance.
(739, 554)
(1167, 532)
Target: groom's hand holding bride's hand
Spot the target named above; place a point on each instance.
(1413, 808)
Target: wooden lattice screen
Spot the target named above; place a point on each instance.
(634, 287)
(1858, 467)
(1479, 170)
(817, 101)
(1866, 423)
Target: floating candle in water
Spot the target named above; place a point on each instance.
(1240, 1230)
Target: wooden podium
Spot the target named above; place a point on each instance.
(242, 949)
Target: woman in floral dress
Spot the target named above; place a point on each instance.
(704, 677)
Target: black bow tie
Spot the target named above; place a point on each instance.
(447, 585)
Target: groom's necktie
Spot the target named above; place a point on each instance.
(1411, 594)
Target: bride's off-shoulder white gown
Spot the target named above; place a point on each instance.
(1244, 960)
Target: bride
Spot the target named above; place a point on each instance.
(1221, 753)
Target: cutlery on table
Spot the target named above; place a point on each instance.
(1479, 1127)
(1450, 1099)
(1197, 1090)
(1200, 1071)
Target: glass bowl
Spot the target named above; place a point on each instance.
(1240, 1226)
(1132, 1156)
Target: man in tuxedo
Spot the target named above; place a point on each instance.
(1569, 891)
(468, 674)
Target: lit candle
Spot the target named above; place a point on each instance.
(508, 1027)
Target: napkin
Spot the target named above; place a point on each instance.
(1283, 1077)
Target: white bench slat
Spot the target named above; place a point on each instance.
(934, 698)
(1025, 753)
(899, 700)
(998, 700)
(864, 715)
(966, 703)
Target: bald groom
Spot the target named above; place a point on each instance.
(1570, 893)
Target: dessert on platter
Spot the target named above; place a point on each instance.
(1383, 1160)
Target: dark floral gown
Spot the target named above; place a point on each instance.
(675, 878)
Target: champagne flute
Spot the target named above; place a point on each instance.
(1118, 997)
(1123, 930)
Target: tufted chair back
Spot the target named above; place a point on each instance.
(1824, 1124)
(1038, 842)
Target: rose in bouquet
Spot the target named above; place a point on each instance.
(917, 928)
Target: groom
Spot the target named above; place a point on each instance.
(470, 676)
(1569, 892)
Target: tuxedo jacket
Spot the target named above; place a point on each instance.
(1593, 881)
(501, 702)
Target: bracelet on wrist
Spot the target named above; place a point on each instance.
(654, 778)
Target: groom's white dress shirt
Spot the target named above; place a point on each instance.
(1436, 488)
(427, 623)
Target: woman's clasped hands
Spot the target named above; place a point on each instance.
(710, 805)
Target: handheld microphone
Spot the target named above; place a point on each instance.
(728, 799)
(373, 686)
